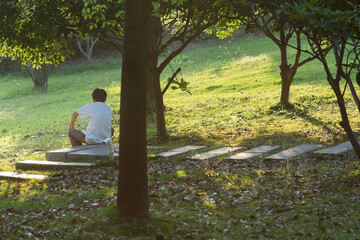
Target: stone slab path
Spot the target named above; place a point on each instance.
(252, 152)
(14, 175)
(41, 165)
(180, 150)
(338, 149)
(214, 153)
(293, 152)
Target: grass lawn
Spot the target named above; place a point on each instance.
(235, 88)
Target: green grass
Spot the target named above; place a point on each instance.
(235, 90)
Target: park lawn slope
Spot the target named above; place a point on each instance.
(235, 90)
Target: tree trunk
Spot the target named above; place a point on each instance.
(284, 68)
(132, 196)
(40, 77)
(334, 83)
(161, 132)
(345, 124)
(150, 95)
(155, 100)
(155, 39)
(89, 47)
(285, 92)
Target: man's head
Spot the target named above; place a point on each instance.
(99, 95)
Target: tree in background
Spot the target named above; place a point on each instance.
(26, 37)
(335, 24)
(265, 16)
(39, 75)
(86, 46)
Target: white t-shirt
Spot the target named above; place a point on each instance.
(98, 116)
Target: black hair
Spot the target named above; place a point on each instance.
(99, 95)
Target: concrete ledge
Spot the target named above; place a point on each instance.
(99, 152)
(49, 165)
(14, 175)
(62, 153)
(84, 152)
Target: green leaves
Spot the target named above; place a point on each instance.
(182, 84)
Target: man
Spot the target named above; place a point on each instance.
(98, 116)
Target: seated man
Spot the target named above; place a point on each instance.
(98, 116)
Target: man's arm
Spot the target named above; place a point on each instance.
(73, 119)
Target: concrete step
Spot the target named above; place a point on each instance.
(293, 152)
(180, 150)
(15, 175)
(50, 165)
(84, 152)
(252, 152)
(338, 149)
(100, 152)
(214, 153)
(87, 152)
(62, 153)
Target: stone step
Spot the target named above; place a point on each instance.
(46, 165)
(214, 153)
(293, 152)
(84, 152)
(338, 149)
(180, 150)
(252, 152)
(100, 152)
(90, 152)
(62, 153)
(15, 175)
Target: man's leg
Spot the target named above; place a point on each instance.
(76, 137)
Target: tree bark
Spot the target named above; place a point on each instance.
(161, 132)
(155, 39)
(285, 75)
(155, 100)
(285, 92)
(40, 77)
(132, 196)
(284, 67)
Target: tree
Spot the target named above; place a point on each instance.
(86, 46)
(37, 44)
(174, 26)
(336, 24)
(266, 16)
(39, 75)
(132, 186)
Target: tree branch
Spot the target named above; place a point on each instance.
(170, 81)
